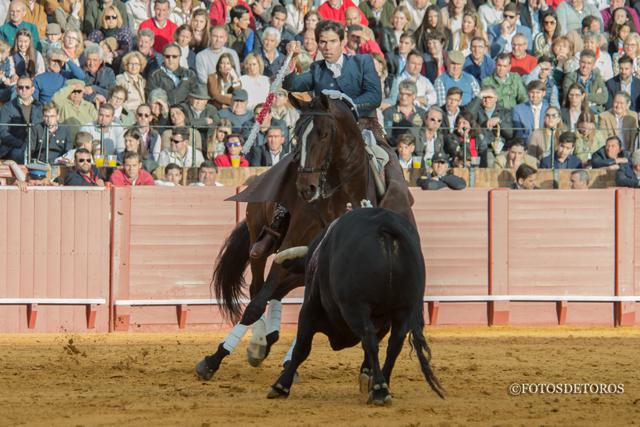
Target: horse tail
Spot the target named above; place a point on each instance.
(419, 344)
(228, 277)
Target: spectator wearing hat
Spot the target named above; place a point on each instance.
(131, 173)
(200, 113)
(17, 14)
(49, 135)
(455, 77)
(238, 114)
(84, 173)
(629, 175)
(529, 115)
(60, 68)
(440, 177)
(98, 77)
(22, 110)
(72, 107)
(38, 175)
(405, 116)
(160, 25)
(178, 82)
(53, 37)
(180, 152)
(426, 94)
(563, 157)
(526, 178)
(509, 86)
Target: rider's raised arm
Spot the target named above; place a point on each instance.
(302, 82)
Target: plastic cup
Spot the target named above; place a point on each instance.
(416, 162)
(112, 161)
(99, 159)
(235, 161)
(475, 161)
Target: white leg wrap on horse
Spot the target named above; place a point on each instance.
(259, 331)
(289, 355)
(233, 338)
(275, 316)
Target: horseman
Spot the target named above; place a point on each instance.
(354, 76)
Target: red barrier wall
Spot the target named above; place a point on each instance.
(492, 257)
(54, 245)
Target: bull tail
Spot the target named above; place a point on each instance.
(419, 344)
(228, 277)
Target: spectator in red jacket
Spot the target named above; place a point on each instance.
(335, 10)
(131, 173)
(232, 156)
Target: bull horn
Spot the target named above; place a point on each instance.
(291, 253)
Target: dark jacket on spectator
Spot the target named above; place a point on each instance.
(260, 155)
(176, 95)
(75, 178)
(614, 86)
(431, 182)
(388, 42)
(93, 15)
(209, 112)
(60, 142)
(16, 137)
(626, 177)
(101, 82)
(571, 162)
(261, 139)
(599, 159)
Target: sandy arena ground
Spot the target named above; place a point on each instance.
(147, 379)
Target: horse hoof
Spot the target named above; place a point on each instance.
(380, 395)
(256, 354)
(277, 392)
(365, 383)
(203, 371)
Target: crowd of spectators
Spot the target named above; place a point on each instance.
(157, 85)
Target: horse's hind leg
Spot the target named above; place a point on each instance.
(366, 373)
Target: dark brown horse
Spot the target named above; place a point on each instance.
(328, 170)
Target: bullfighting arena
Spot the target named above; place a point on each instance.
(148, 379)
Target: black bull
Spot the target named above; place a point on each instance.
(364, 276)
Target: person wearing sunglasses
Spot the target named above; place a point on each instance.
(180, 152)
(176, 81)
(21, 110)
(113, 25)
(84, 172)
(72, 107)
(501, 35)
(233, 144)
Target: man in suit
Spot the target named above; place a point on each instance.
(530, 115)
(620, 121)
(530, 12)
(356, 77)
(273, 151)
(451, 109)
(625, 82)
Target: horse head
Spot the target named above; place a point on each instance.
(327, 135)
